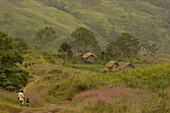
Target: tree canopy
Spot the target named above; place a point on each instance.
(126, 46)
(84, 40)
(11, 76)
(20, 44)
(46, 35)
(65, 47)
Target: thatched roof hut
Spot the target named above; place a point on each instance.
(88, 54)
(125, 66)
(112, 65)
(90, 58)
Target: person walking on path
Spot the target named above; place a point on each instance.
(27, 102)
(21, 98)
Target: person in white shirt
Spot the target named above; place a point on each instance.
(21, 98)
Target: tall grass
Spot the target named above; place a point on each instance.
(11, 99)
(8, 98)
(91, 67)
(154, 77)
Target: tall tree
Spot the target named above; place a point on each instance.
(112, 51)
(85, 40)
(126, 46)
(46, 35)
(11, 76)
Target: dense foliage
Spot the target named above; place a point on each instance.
(45, 35)
(12, 77)
(84, 40)
(126, 46)
(20, 44)
(152, 77)
(65, 47)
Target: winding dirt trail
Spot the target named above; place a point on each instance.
(51, 108)
(36, 79)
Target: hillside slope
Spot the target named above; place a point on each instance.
(146, 19)
(58, 88)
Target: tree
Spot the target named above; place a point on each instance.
(112, 51)
(46, 35)
(6, 42)
(20, 44)
(126, 46)
(84, 40)
(65, 47)
(11, 76)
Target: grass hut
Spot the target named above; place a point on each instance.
(90, 58)
(112, 65)
(125, 66)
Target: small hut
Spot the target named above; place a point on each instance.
(90, 58)
(125, 66)
(112, 65)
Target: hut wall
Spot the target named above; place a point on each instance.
(90, 59)
(114, 67)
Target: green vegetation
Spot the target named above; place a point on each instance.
(135, 29)
(154, 77)
(126, 46)
(146, 20)
(45, 36)
(84, 40)
(10, 99)
(20, 44)
(144, 89)
(12, 77)
(65, 47)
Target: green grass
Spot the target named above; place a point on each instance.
(6, 98)
(91, 67)
(65, 82)
(55, 16)
(155, 77)
(107, 18)
(61, 83)
(11, 99)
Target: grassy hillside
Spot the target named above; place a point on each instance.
(89, 88)
(146, 19)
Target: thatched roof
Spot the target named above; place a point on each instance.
(111, 63)
(86, 55)
(124, 65)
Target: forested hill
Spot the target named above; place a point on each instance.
(148, 20)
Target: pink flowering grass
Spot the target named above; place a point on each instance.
(115, 94)
(166, 55)
(119, 99)
(158, 61)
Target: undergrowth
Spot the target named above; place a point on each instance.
(155, 77)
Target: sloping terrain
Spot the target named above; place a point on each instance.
(146, 19)
(56, 87)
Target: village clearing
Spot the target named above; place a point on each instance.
(81, 88)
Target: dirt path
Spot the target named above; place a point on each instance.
(51, 108)
(36, 79)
